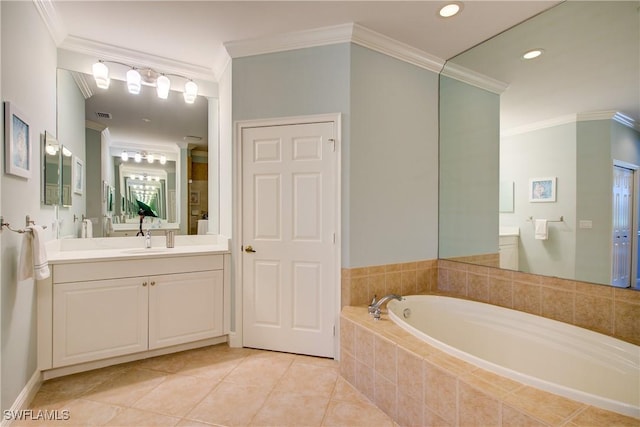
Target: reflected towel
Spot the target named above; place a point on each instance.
(87, 229)
(542, 229)
(33, 255)
(109, 226)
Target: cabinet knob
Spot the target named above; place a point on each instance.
(153, 283)
(144, 283)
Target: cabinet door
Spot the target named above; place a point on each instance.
(99, 319)
(185, 307)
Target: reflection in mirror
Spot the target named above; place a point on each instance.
(571, 115)
(50, 170)
(66, 176)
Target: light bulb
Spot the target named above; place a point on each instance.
(124, 156)
(150, 158)
(163, 84)
(101, 75)
(190, 92)
(51, 150)
(137, 157)
(163, 159)
(450, 10)
(134, 81)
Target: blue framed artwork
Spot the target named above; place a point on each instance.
(542, 189)
(17, 142)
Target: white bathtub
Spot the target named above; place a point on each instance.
(553, 356)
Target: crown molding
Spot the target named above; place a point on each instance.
(345, 33)
(574, 118)
(54, 25)
(290, 41)
(82, 84)
(474, 78)
(90, 124)
(386, 45)
(543, 124)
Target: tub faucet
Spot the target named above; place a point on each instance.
(375, 305)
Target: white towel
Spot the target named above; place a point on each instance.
(87, 229)
(542, 229)
(33, 255)
(109, 225)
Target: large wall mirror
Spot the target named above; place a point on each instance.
(558, 135)
(138, 150)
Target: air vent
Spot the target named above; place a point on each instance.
(102, 115)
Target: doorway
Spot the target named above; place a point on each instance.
(624, 226)
(289, 254)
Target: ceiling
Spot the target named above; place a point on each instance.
(193, 33)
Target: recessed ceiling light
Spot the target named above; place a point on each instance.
(533, 53)
(450, 9)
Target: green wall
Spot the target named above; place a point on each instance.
(469, 169)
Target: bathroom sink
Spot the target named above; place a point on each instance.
(146, 250)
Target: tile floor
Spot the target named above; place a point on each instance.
(216, 385)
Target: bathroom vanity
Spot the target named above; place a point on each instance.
(109, 301)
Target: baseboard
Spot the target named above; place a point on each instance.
(25, 397)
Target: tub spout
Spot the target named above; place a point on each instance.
(376, 306)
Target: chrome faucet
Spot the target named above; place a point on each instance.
(375, 309)
(147, 240)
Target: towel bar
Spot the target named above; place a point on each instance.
(28, 221)
(549, 220)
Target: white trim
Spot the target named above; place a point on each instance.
(345, 33)
(81, 82)
(236, 338)
(573, 118)
(54, 25)
(395, 49)
(25, 397)
(474, 78)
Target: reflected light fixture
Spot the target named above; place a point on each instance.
(124, 156)
(140, 156)
(137, 157)
(101, 75)
(450, 9)
(144, 76)
(134, 81)
(163, 85)
(163, 159)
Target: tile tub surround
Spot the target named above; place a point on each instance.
(417, 384)
(360, 284)
(605, 309)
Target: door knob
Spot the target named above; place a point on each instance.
(249, 249)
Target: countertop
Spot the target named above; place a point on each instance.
(130, 248)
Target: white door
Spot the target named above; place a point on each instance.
(622, 226)
(289, 198)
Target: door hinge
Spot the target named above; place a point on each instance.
(333, 144)
(334, 330)
(334, 238)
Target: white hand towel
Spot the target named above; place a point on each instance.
(541, 229)
(87, 228)
(33, 255)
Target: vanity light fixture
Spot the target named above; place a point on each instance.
(532, 54)
(163, 159)
(450, 9)
(137, 157)
(138, 77)
(134, 81)
(140, 156)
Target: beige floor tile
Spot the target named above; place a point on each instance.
(229, 404)
(291, 409)
(192, 423)
(346, 392)
(137, 418)
(127, 387)
(73, 386)
(261, 371)
(354, 414)
(176, 395)
(87, 413)
(308, 380)
(316, 361)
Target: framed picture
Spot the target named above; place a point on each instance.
(194, 197)
(78, 174)
(17, 142)
(542, 189)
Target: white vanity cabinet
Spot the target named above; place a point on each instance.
(101, 310)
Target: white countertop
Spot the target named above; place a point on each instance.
(509, 231)
(123, 248)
